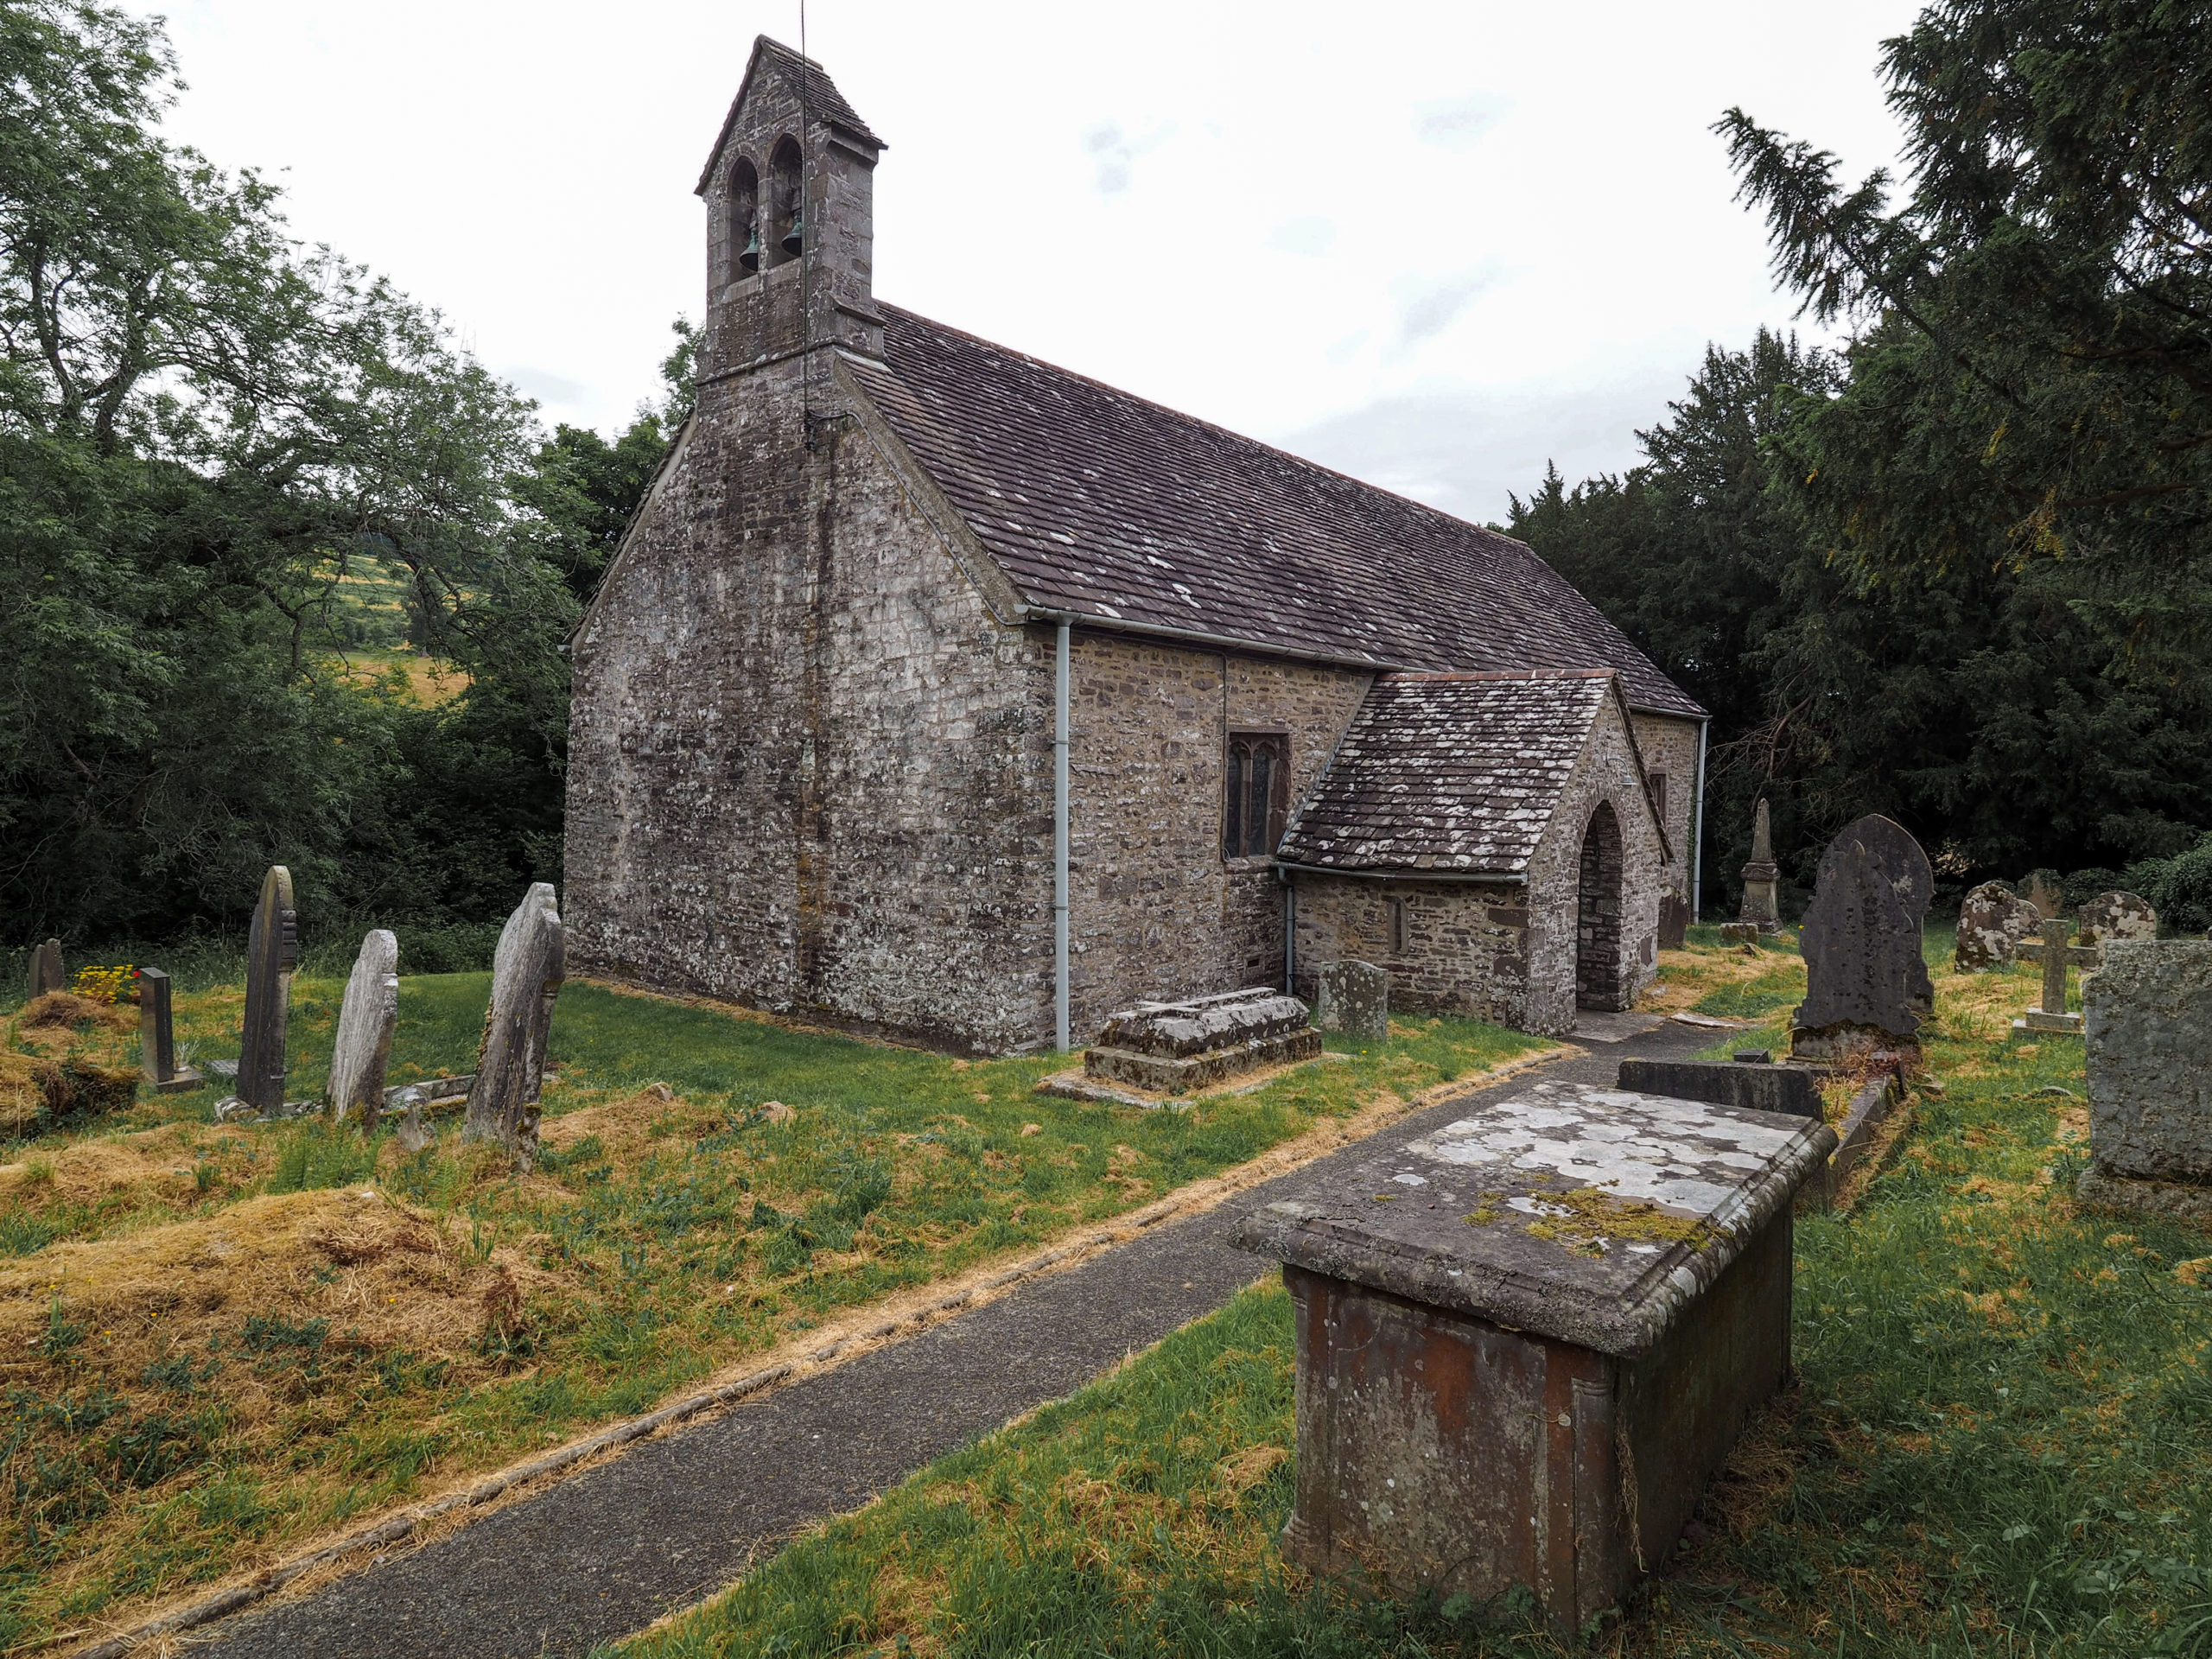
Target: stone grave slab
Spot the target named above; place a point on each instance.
(272, 952)
(1868, 988)
(157, 1036)
(1762, 906)
(1791, 1090)
(1992, 921)
(365, 1021)
(527, 969)
(1613, 1266)
(2112, 916)
(2049, 1016)
(1177, 1048)
(1353, 997)
(2148, 1035)
(1739, 933)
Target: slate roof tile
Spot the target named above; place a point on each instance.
(1097, 503)
(1451, 772)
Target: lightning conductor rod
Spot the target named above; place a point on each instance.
(1697, 828)
(1060, 842)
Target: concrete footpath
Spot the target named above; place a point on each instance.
(613, 1548)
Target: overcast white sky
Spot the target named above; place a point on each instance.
(1432, 245)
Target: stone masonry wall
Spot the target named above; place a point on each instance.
(1155, 911)
(1669, 749)
(1450, 947)
(808, 771)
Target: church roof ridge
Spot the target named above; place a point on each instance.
(823, 101)
(1099, 504)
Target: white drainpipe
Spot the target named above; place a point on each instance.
(1060, 844)
(1697, 829)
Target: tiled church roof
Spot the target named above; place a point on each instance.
(1096, 503)
(1452, 772)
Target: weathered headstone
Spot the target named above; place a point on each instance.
(1673, 921)
(2041, 890)
(2112, 916)
(1172, 1048)
(1353, 997)
(1791, 1090)
(526, 974)
(1993, 921)
(1740, 933)
(157, 1036)
(2149, 1051)
(2049, 1015)
(366, 1019)
(1866, 984)
(272, 952)
(1761, 877)
(46, 970)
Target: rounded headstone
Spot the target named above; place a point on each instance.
(526, 974)
(2111, 916)
(1865, 974)
(365, 1019)
(1993, 921)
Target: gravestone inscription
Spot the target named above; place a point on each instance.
(1353, 997)
(272, 952)
(46, 970)
(2112, 916)
(526, 974)
(2148, 1030)
(1993, 921)
(366, 1019)
(1761, 877)
(1866, 984)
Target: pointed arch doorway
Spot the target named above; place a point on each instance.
(1598, 979)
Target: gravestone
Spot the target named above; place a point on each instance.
(1761, 877)
(1527, 1339)
(46, 970)
(366, 1019)
(272, 952)
(1673, 921)
(2050, 1016)
(1866, 984)
(1172, 1048)
(1993, 921)
(2112, 916)
(1745, 933)
(2149, 1048)
(1751, 1085)
(1353, 997)
(526, 974)
(157, 1037)
(2041, 890)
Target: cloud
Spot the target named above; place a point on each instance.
(1465, 451)
(550, 388)
(1311, 235)
(1454, 126)
(1430, 314)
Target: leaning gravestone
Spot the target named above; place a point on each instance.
(526, 975)
(46, 970)
(1761, 877)
(272, 952)
(2111, 916)
(2148, 1027)
(1993, 921)
(1866, 984)
(1353, 997)
(366, 1019)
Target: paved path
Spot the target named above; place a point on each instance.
(610, 1550)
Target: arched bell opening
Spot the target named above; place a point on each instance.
(744, 220)
(786, 203)
(1599, 979)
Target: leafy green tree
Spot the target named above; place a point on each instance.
(204, 433)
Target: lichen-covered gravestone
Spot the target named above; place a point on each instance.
(366, 1019)
(272, 952)
(1761, 877)
(1353, 997)
(46, 970)
(2148, 1028)
(526, 975)
(1993, 921)
(1866, 984)
(2041, 890)
(2112, 916)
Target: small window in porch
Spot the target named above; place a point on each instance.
(1255, 793)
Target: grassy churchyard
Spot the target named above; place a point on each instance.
(1996, 1445)
(221, 1342)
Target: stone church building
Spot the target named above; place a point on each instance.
(941, 693)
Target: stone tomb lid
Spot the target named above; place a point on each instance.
(1445, 1220)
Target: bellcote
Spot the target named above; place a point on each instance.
(790, 189)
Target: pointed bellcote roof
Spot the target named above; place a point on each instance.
(810, 84)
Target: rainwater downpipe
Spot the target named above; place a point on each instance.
(1697, 833)
(1060, 843)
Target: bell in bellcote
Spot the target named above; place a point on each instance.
(750, 258)
(795, 237)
